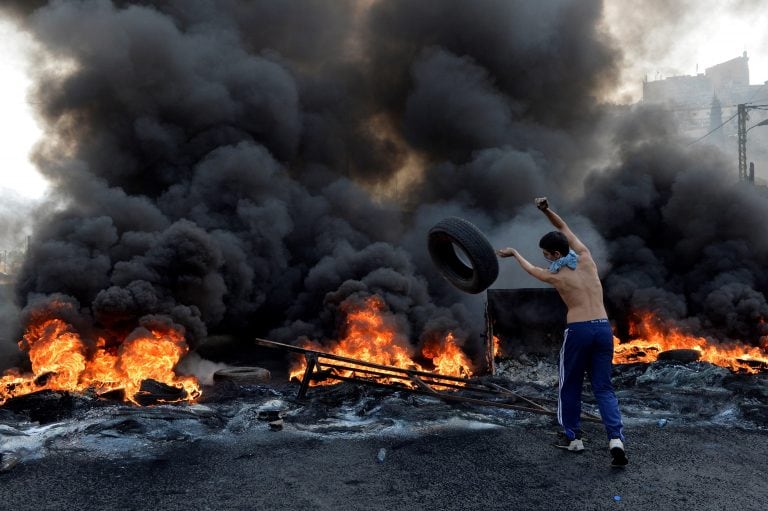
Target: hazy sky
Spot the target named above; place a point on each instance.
(18, 130)
(659, 38)
(662, 38)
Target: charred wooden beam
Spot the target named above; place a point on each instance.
(507, 391)
(422, 379)
(407, 375)
(296, 349)
(311, 358)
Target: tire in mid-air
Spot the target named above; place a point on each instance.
(463, 255)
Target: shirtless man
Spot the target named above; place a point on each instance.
(588, 342)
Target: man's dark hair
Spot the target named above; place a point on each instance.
(555, 241)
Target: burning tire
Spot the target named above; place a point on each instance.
(152, 392)
(680, 355)
(243, 375)
(463, 255)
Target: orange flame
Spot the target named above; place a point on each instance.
(447, 357)
(372, 336)
(497, 347)
(61, 361)
(651, 336)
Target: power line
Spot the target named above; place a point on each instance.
(713, 130)
(690, 109)
(684, 109)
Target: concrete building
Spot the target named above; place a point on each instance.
(728, 81)
(701, 103)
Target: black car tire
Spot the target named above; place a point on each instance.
(463, 255)
(680, 355)
(245, 375)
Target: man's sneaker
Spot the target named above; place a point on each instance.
(618, 456)
(575, 445)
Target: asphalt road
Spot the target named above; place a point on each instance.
(504, 468)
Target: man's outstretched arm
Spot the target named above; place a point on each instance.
(539, 273)
(561, 226)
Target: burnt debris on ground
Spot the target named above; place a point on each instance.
(664, 392)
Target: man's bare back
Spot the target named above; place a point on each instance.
(580, 288)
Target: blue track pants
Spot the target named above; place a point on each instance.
(587, 347)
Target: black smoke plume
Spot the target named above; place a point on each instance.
(687, 241)
(248, 166)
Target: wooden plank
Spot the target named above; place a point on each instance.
(311, 361)
(418, 381)
(409, 374)
(296, 349)
(505, 390)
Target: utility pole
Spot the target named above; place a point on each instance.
(743, 114)
(742, 123)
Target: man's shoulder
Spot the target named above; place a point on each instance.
(585, 258)
(584, 252)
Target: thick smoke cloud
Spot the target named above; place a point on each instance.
(222, 165)
(687, 242)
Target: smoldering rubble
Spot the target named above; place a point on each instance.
(667, 395)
